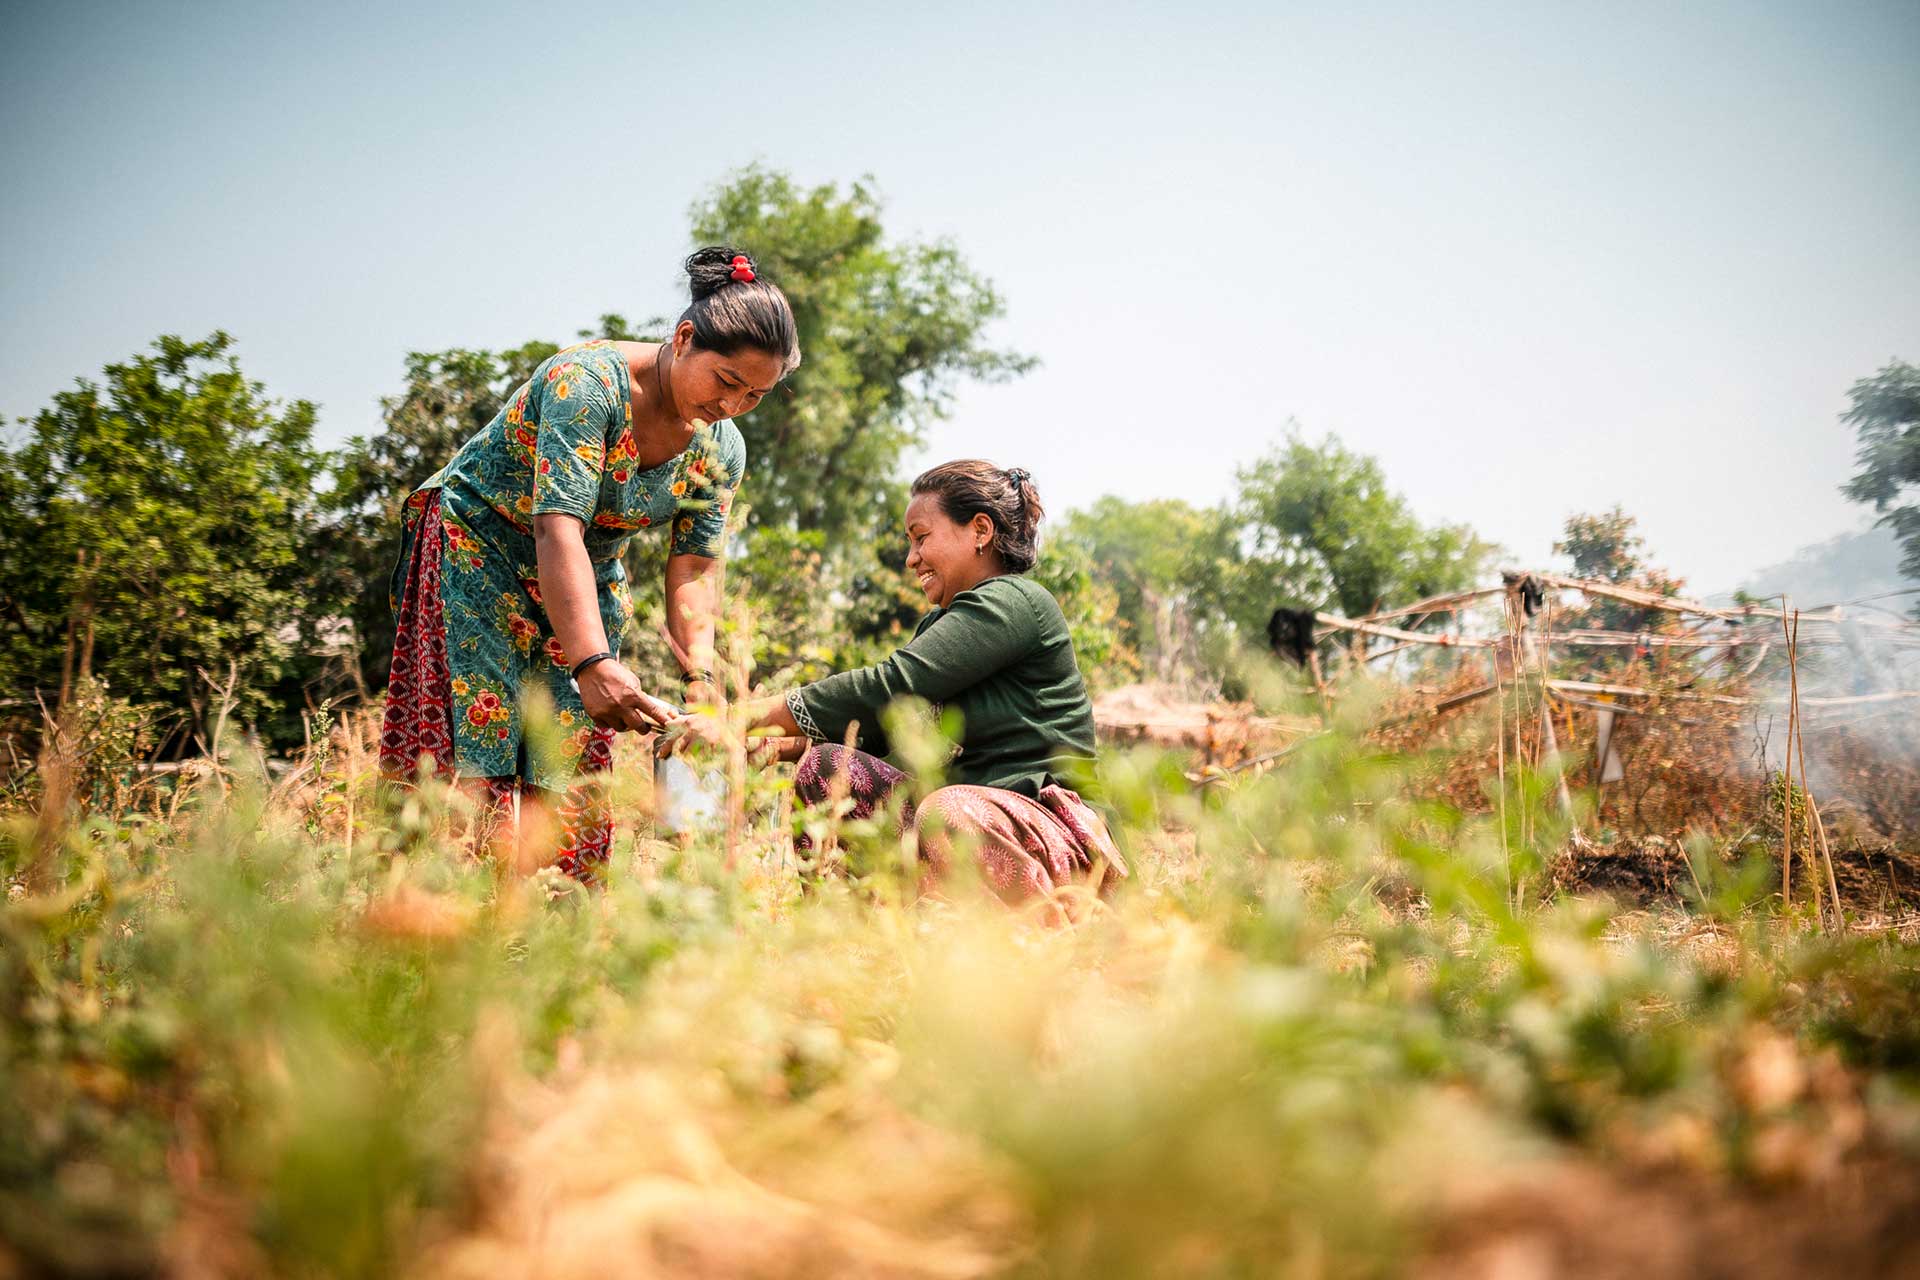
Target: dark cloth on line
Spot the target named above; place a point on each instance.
(1290, 634)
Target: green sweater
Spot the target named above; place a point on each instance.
(1000, 654)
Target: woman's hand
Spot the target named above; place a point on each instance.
(695, 728)
(615, 700)
(776, 749)
(708, 731)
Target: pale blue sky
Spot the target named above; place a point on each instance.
(1537, 259)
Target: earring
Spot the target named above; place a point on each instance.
(979, 548)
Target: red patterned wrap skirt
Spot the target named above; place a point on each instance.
(417, 730)
(1026, 847)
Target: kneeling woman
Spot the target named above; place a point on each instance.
(996, 649)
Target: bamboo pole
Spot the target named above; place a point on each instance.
(1434, 604)
(1819, 826)
(1444, 640)
(1786, 775)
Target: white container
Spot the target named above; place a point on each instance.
(685, 799)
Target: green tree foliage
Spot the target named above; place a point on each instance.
(1607, 547)
(887, 331)
(1310, 525)
(159, 537)
(1885, 416)
(1162, 559)
(1317, 525)
(167, 523)
(1092, 609)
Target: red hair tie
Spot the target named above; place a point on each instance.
(742, 269)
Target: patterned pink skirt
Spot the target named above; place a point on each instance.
(417, 730)
(1027, 848)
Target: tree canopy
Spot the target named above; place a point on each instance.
(1885, 416)
(1309, 526)
(173, 527)
(887, 331)
(1318, 523)
(159, 536)
(1607, 546)
(1163, 560)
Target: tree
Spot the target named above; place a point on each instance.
(1607, 547)
(1162, 560)
(886, 333)
(1885, 416)
(159, 537)
(1091, 607)
(1318, 526)
(1310, 526)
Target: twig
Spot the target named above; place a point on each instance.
(1392, 722)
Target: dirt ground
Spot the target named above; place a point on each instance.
(1878, 879)
(1588, 1220)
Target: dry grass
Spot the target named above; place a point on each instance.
(292, 1029)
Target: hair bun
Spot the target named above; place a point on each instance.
(972, 486)
(711, 269)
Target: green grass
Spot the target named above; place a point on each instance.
(233, 1044)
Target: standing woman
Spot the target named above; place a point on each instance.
(510, 575)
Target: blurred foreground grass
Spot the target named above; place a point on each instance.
(1328, 1029)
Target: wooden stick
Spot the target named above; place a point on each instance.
(1444, 705)
(1637, 691)
(1813, 809)
(1435, 604)
(1786, 773)
(1445, 640)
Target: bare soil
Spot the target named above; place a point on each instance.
(1580, 1218)
(1644, 872)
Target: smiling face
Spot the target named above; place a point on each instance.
(941, 551)
(710, 386)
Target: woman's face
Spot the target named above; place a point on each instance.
(941, 553)
(710, 386)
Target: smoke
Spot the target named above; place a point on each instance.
(1859, 705)
(1859, 649)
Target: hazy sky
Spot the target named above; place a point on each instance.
(1537, 259)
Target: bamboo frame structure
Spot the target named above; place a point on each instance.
(1749, 633)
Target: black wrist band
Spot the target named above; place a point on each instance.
(584, 663)
(698, 676)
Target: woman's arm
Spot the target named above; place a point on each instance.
(763, 718)
(693, 600)
(985, 629)
(611, 693)
(711, 471)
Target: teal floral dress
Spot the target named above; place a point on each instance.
(563, 443)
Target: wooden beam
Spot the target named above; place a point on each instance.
(1435, 604)
(1444, 640)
